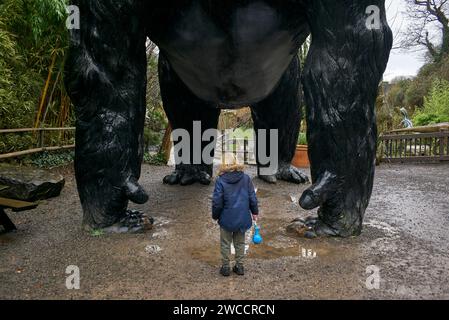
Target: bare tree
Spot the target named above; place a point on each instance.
(428, 27)
(427, 18)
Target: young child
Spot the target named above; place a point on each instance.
(234, 205)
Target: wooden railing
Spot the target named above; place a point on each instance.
(40, 147)
(412, 146)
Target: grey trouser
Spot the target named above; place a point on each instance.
(226, 239)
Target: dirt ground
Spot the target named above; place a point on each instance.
(406, 236)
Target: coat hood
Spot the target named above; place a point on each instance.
(232, 177)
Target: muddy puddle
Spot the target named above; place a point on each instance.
(277, 243)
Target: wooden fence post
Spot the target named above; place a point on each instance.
(166, 143)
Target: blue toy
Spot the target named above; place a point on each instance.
(257, 238)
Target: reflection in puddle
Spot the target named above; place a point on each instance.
(277, 244)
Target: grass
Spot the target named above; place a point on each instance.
(97, 233)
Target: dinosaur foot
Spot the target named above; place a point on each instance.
(132, 222)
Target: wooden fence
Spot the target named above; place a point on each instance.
(40, 136)
(413, 146)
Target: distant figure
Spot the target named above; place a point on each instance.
(234, 206)
(407, 123)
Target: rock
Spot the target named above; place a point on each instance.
(29, 184)
(153, 249)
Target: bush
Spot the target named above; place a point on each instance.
(436, 105)
(32, 34)
(151, 138)
(157, 159)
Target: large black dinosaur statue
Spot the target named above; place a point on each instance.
(217, 54)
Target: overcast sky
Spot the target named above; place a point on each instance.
(401, 63)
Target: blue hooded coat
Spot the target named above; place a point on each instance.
(234, 201)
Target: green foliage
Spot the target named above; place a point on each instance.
(388, 105)
(241, 133)
(397, 94)
(410, 94)
(49, 160)
(156, 120)
(39, 26)
(97, 233)
(423, 119)
(18, 85)
(152, 138)
(32, 35)
(302, 139)
(436, 105)
(157, 159)
(15, 142)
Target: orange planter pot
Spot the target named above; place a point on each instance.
(301, 158)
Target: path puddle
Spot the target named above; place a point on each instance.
(5, 238)
(277, 243)
(263, 193)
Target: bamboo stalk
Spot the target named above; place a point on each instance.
(36, 150)
(50, 99)
(44, 93)
(35, 130)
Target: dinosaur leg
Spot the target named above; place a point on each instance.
(194, 116)
(106, 80)
(281, 112)
(341, 78)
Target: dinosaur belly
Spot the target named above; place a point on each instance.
(233, 61)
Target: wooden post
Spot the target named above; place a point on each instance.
(442, 143)
(166, 143)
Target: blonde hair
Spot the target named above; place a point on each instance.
(230, 164)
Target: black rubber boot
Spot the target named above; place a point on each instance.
(238, 269)
(225, 271)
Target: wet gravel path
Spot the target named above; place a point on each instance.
(406, 237)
